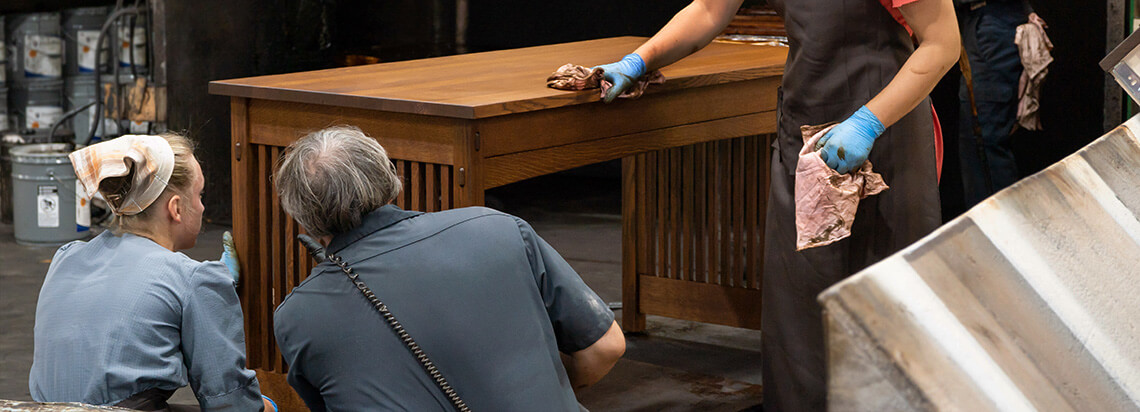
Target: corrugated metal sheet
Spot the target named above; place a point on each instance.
(1029, 301)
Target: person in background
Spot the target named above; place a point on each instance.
(125, 319)
(988, 29)
(507, 322)
(847, 60)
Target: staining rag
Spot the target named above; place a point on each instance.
(574, 77)
(826, 201)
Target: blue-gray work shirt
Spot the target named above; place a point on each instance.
(121, 314)
(486, 298)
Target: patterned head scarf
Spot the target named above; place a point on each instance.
(150, 157)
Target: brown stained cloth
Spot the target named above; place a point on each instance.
(1033, 46)
(826, 201)
(574, 77)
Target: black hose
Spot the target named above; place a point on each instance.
(115, 63)
(66, 116)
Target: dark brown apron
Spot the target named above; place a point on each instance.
(843, 53)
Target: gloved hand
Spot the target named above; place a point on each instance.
(229, 255)
(848, 144)
(623, 74)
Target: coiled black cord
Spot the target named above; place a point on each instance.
(414, 347)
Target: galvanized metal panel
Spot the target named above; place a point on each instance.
(1029, 301)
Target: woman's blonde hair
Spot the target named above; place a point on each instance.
(180, 179)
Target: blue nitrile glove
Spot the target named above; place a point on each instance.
(229, 255)
(271, 402)
(848, 144)
(623, 74)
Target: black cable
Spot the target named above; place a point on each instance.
(99, 48)
(66, 116)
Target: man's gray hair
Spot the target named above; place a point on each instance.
(331, 178)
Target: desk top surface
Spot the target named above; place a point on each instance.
(480, 85)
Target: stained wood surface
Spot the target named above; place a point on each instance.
(480, 85)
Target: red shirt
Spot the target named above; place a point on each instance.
(893, 7)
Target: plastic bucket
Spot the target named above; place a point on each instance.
(132, 45)
(79, 91)
(80, 33)
(36, 106)
(37, 46)
(47, 207)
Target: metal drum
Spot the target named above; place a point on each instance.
(78, 91)
(36, 45)
(80, 33)
(50, 206)
(133, 45)
(36, 105)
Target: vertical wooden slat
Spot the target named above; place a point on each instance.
(687, 202)
(417, 186)
(752, 189)
(738, 212)
(700, 194)
(401, 169)
(725, 178)
(445, 187)
(431, 183)
(675, 188)
(716, 192)
(639, 181)
(291, 254)
(651, 216)
(662, 213)
(263, 256)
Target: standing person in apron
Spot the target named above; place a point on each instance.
(849, 59)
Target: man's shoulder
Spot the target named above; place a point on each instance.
(474, 215)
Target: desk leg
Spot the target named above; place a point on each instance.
(632, 320)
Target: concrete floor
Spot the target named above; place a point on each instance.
(676, 366)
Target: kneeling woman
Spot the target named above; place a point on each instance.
(125, 319)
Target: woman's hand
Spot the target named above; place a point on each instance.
(848, 144)
(623, 74)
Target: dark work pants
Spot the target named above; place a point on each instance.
(987, 34)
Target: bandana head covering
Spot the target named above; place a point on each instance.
(150, 157)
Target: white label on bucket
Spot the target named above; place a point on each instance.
(138, 43)
(47, 206)
(82, 208)
(41, 117)
(42, 56)
(85, 50)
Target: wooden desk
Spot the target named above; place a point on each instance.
(694, 186)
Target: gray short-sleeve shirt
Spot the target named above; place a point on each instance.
(487, 299)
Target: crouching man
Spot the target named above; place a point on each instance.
(496, 310)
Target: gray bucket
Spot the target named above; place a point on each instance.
(80, 33)
(132, 46)
(50, 206)
(78, 91)
(37, 49)
(36, 106)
